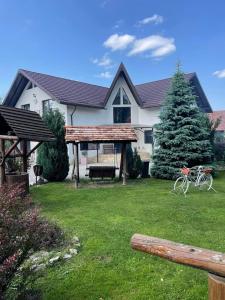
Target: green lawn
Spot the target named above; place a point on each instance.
(105, 218)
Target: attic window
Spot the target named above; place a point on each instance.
(117, 98)
(125, 97)
(121, 98)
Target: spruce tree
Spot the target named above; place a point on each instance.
(53, 156)
(181, 137)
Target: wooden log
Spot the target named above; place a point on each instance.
(8, 137)
(208, 260)
(216, 286)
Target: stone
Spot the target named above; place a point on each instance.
(54, 259)
(67, 256)
(73, 251)
(75, 239)
(40, 267)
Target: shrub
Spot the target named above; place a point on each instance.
(134, 163)
(21, 230)
(53, 156)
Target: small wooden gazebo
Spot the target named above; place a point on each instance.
(19, 126)
(100, 134)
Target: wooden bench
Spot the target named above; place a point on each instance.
(102, 172)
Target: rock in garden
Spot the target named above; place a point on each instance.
(54, 259)
(67, 256)
(73, 251)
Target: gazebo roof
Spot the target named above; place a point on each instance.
(24, 124)
(100, 134)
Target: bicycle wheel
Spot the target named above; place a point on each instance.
(181, 185)
(205, 182)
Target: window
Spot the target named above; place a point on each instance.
(125, 97)
(88, 146)
(25, 106)
(122, 115)
(121, 98)
(46, 105)
(148, 137)
(117, 98)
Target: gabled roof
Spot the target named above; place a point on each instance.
(24, 124)
(123, 72)
(66, 91)
(71, 92)
(97, 134)
(218, 115)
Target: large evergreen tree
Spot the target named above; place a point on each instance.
(181, 136)
(53, 156)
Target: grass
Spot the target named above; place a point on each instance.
(105, 218)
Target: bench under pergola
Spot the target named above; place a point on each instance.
(100, 134)
(19, 126)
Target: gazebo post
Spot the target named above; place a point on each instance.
(76, 159)
(124, 157)
(2, 164)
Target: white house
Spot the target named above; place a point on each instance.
(88, 104)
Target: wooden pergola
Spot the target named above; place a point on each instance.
(19, 126)
(100, 134)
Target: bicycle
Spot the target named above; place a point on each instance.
(198, 176)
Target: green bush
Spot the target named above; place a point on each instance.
(134, 163)
(53, 156)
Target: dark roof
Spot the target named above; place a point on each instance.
(24, 124)
(154, 93)
(218, 115)
(116, 133)
(147, 95)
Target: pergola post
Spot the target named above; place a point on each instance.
(124, 157)
(76, 159)
(2, 163)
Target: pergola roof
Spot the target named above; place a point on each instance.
(24, 124)
(100, 134)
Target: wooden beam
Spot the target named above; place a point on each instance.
(8, 152)
(33, 149)
(8, 137)
(2, 165)
(208, 260)
(24, 157)
(216, 286)
(124, 164)
(76, 159)
(121, 163)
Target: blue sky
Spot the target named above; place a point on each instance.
(86, 40)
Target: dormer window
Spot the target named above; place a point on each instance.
(125, 98)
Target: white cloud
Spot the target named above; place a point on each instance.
(155, 19)
(220, 74)
(159, 46)
(105, 75)
(118, 24)
(104, 61)
(118, 42)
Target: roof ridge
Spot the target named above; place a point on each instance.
(191, 73)
(105, 87)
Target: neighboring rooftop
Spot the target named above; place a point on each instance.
(218, 115)
(147, 95)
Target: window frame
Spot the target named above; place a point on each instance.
(49, 102)
(151, 139)
(116, 108)
(25, 106)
